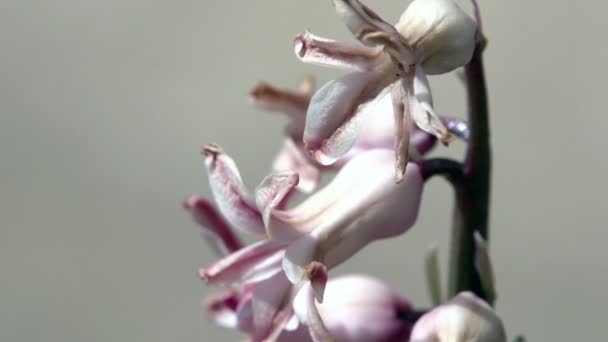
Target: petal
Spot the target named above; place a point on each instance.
(333, 120)
(213, 226)
(440, 32)
(269, 195)
(290, 158)
(222, 308)
(327, 52)
(250, 264)
(307, 311)
(402, 112)
(271, 306)
(463, 318)
(370, 29)
(422, 109)
(294, 103)
(360, 205)
(230, 193)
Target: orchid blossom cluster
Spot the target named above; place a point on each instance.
(371, 130)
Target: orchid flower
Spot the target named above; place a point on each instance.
(464, 318)
(360, 205)
(377, 130)
(431, 37)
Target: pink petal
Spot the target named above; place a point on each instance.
(326, 52)
(370, 29)
(290, 158)
(230, 193)
(294, 103)
(271, 306)
(213, 226)
(307, 311)
(360, 205)
(269, 195)
(250, 264)
(222, 308)
(333, 120)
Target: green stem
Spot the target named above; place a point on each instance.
(473, 195)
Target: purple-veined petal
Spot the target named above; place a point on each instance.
(294, 103)
(440, 32)
(360, 205)
(291, 158)
(463, 318)
(253, 263)
(232, 198)
(270, 305)
(222, 308)
(313, 49)
(422, 108)
(370, 29)
(213, 226)
(333, 120)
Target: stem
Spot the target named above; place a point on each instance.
(473, 195)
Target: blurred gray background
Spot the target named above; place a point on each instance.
(105, 104)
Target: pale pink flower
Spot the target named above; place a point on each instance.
(360, 205)
(465, 318)
(431, 37)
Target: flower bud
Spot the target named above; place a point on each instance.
(360, 308)
(440, 33)
(463, 318)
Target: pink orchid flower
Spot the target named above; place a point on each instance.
(360, 205)
(431, 37)
(464, 318)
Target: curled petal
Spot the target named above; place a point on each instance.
(440, 32)
(290, 158)
(333, 120)
(230, 193)
(422, 107)
(327, 52)
(269, 195)
(213, 226)
(463, 318)
(402, 112)
(360, 205)
(294, 103)
(370, 29)
(307, 312)
(250, 264)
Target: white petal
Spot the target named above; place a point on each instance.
(333, 119)
(327, 52)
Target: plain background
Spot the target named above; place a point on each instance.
(105, 104)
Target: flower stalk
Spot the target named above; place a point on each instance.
(471, 211)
